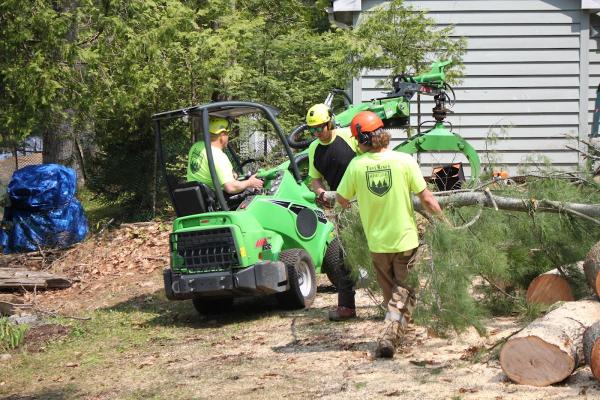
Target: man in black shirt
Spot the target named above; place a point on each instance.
(328, 158)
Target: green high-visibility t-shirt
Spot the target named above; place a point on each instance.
(197, 169)
(382, 184)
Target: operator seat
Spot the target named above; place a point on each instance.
(193, 198)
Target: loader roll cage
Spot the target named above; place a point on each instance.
(224, 109)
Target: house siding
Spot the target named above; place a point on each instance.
(525, 79)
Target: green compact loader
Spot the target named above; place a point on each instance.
(268, 241)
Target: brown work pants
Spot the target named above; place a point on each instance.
(392, 272)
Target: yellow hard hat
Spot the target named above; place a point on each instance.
(218, 125)
(318, 115)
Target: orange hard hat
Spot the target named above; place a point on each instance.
(365, 122)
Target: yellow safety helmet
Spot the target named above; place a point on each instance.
(218, 125)
(318, 115)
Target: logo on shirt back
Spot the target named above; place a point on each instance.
(196, 162)
(379, 181)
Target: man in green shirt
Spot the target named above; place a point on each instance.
(198, 170)
(382, 182)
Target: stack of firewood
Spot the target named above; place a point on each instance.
(549, 349)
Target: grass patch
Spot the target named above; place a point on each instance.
(97, 212)
(11, 335)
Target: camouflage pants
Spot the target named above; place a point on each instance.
(392, 271)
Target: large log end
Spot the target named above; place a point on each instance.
(548, 289)
(532, 361)
(591, 348)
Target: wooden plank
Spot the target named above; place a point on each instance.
(16, 278)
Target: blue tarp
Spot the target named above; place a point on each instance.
(43, 210)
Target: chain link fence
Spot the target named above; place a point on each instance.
(13, 157)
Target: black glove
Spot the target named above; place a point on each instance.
(324, 201)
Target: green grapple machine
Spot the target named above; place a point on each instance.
(269, 241)
(394, 110)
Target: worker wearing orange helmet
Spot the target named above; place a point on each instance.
(328, 158)
(382, 182)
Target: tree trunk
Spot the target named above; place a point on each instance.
(591, 266)
(60, 137)
(591, 348)
(550, 348)
(462, 199)
(550, 287)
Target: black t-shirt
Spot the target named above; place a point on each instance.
(332, 159)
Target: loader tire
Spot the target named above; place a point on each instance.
(301, 277)
(333, 261)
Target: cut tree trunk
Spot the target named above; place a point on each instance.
(591, 266)
(591, 348)
(462, 199)
(550, 287)
(551, 347)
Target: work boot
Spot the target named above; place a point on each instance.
(342, 313)
(390, 339)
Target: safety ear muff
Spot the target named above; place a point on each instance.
(363, 138)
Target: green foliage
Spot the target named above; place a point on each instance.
(466, 274)
(11, 335)
(103, 68)
(404, 39)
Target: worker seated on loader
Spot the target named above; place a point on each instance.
(198, 171)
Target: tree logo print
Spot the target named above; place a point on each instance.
(379, 182)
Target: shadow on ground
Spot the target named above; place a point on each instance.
(49, 394)
(182, 313)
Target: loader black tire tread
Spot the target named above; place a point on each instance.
(296, 261)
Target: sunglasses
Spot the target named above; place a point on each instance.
(316, 129)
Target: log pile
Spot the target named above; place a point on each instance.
(549, 349)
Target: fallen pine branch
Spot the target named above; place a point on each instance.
(463, 199)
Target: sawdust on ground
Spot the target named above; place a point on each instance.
(283, 354)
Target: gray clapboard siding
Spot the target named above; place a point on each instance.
(523, 76)
(486, 5)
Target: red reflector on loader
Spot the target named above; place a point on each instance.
(205, 221)
(260, 242)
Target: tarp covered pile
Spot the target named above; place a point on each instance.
(43, 210)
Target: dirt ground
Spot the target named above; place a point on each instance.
(258, 351)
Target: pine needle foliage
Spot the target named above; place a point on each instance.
(467, 274)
